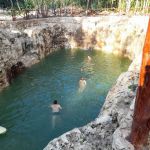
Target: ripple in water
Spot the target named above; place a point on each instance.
(24, 106)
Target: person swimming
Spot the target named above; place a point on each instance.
(82, 84)
(56, 107)
(89, 58)
(82, 69)
(55, 117)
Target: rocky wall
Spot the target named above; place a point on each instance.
(114, 34)
(29, 41)
(23, 48)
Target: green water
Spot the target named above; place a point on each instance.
(24, 105)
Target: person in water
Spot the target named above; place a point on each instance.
(89, 58)
(82, 84)
(56, 107)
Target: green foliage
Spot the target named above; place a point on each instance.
(28, 4)
(121, 5)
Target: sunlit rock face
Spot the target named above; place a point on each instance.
(10, 53)
(30, 41)
(119, 35)
(113, 34)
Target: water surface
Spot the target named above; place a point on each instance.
(24, 106)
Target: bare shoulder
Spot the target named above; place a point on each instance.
(60, 106)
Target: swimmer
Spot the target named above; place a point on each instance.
(82, 69)
(55, 107)
(89, 58)
(82, 84)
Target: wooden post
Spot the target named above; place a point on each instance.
(141, 119)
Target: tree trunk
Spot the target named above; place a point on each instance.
(128, 5)
(53, 8)
(12, 5)
(143, 7)
(13, 14)
(18, 5)
(44, 9)
(119, 5)
(71, 9)
(146, 6)
(141, 119)
(89, 2)
(38, 8)
(112, 3)
(136, 5)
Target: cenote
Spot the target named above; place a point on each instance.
(24, 106)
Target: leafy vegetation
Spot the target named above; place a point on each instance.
(44, 6)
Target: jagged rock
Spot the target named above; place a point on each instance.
(120, 143)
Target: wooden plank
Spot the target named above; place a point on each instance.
(141, 119)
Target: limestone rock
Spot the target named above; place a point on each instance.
(120, 143)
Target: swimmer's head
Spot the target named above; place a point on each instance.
(55, 102)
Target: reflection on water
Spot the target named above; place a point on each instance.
(56, 119)
(24, 106)
(82, 84)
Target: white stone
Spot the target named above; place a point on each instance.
(119, 143)
(103, 119)
(132, 105)
(2, 130)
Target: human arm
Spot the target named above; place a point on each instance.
(60, 107)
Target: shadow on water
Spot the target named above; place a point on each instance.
(24, 106)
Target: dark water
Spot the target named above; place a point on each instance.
(24, 106)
